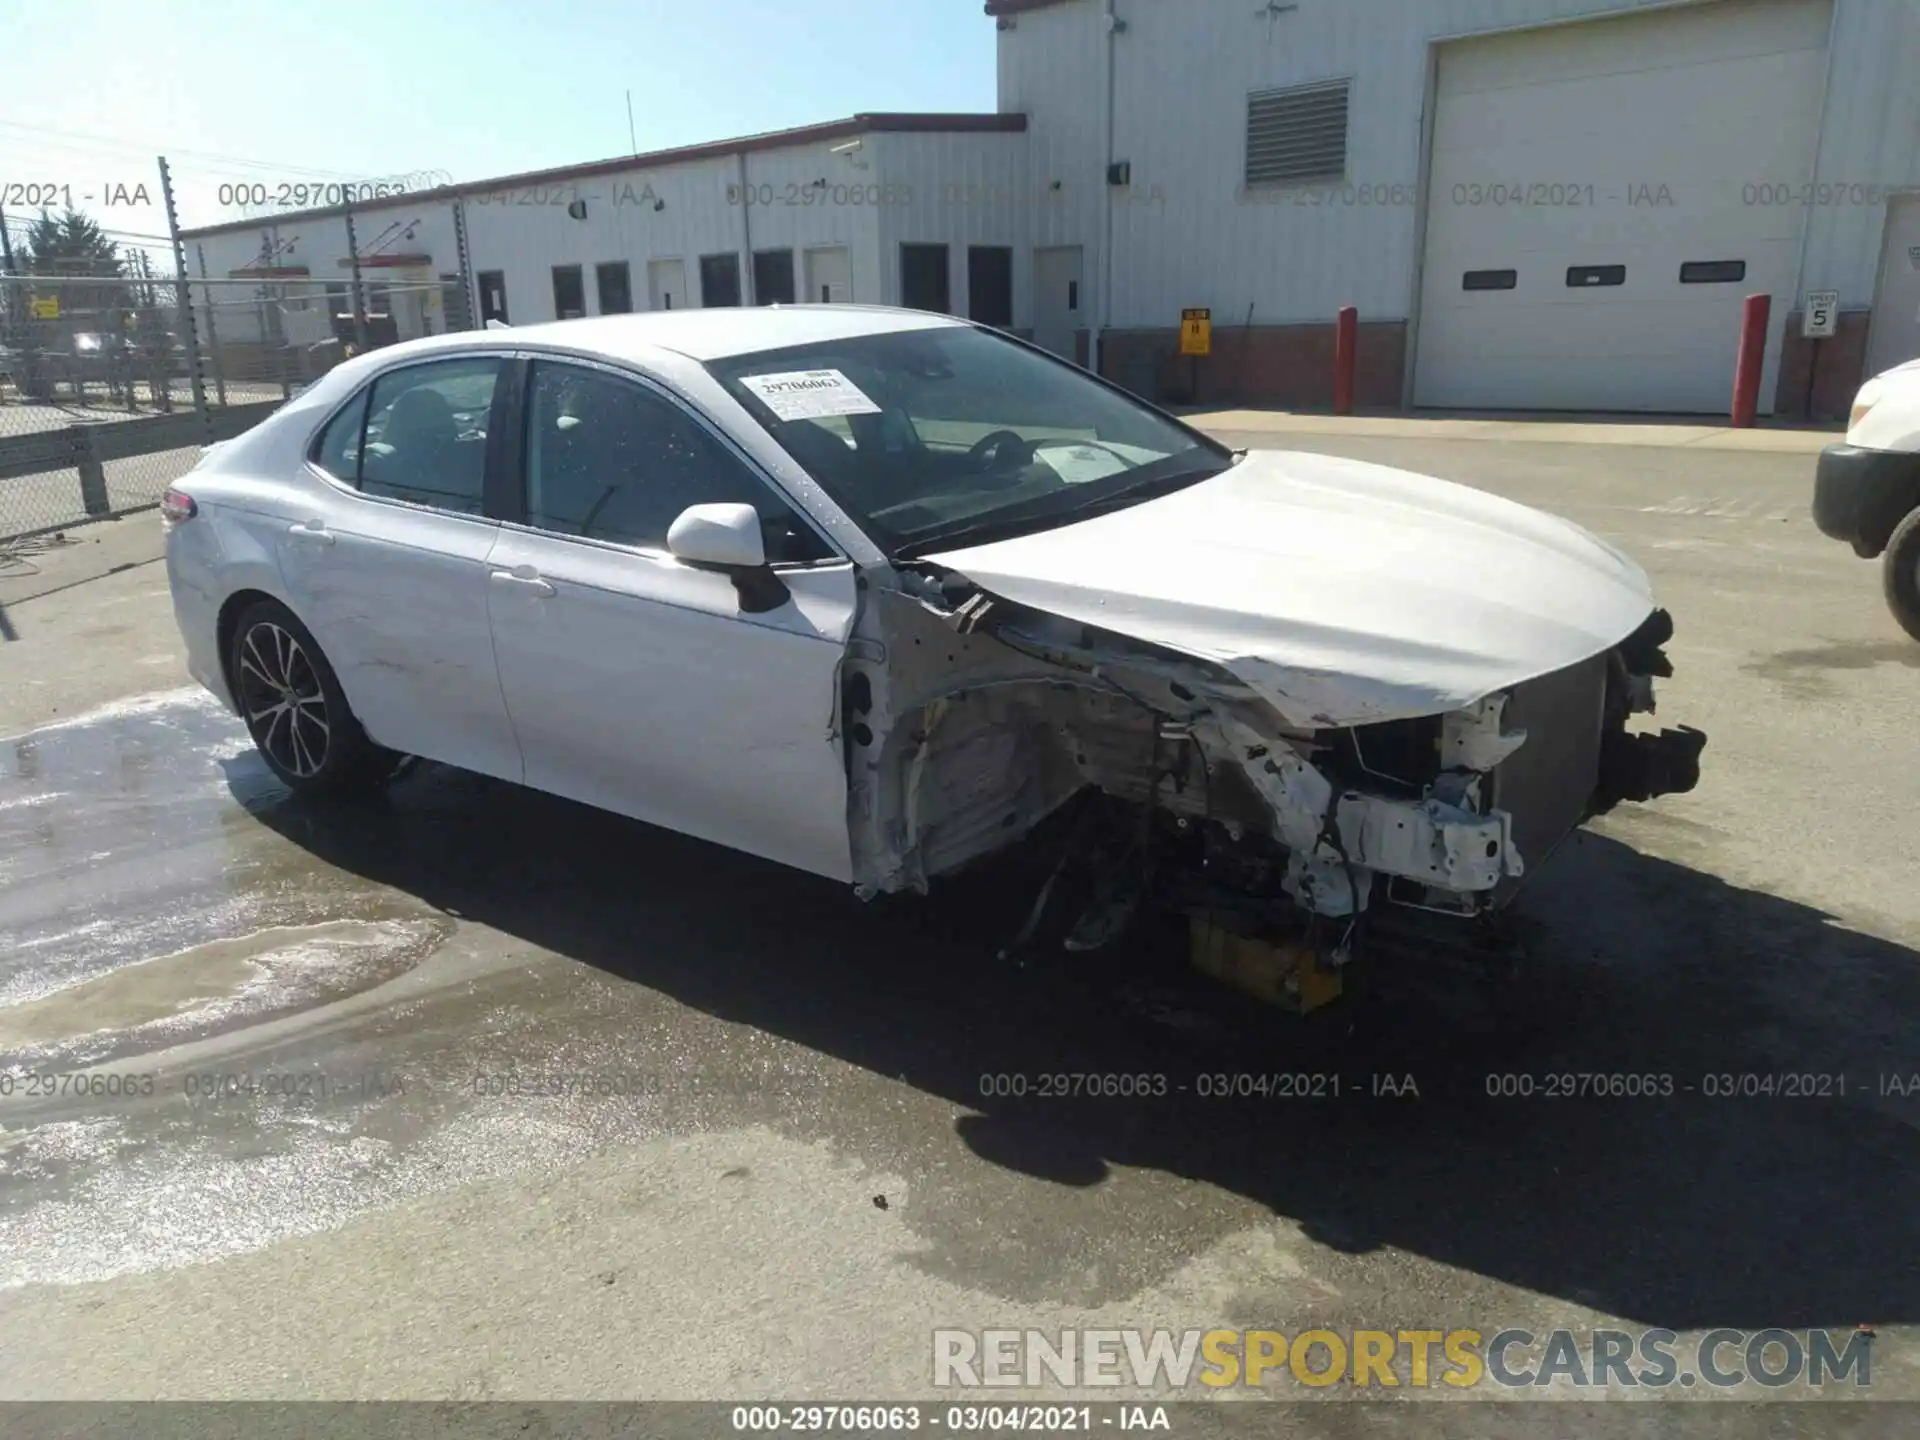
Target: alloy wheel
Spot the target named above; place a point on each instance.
(282, 699)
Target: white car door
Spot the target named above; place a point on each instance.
(389, 569)
(644, 685)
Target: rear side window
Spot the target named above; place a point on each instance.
(426, 433)
(338, 452)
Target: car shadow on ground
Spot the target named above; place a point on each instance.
(1686, 1209)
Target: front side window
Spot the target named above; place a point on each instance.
(608, 459)
(426, 434)
(934, 437)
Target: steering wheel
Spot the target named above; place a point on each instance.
(1000, 449)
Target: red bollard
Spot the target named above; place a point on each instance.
(1346, 341)
(1753, 359)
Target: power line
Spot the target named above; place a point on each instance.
(16, 218)
(102, 142)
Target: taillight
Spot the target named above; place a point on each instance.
(176, 506)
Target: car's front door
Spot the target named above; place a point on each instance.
(640, 684)
(391, 574)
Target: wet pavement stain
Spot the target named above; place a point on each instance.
(142, 903)
(1805, 673)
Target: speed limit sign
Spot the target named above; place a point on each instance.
(1820, 314)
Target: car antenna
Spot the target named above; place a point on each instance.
(497, 324)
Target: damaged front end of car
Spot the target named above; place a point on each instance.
(970, 720)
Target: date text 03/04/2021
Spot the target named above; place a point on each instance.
(1006, 1419)
(1206, 1085)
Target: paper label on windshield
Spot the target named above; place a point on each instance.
(810, 394)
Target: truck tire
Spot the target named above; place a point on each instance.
(1902, 574)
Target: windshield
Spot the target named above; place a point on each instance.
(929, 438)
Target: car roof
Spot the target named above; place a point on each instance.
(720, 333)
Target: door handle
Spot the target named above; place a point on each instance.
(315, 531)
(533, 584)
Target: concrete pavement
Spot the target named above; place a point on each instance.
(1273, 425)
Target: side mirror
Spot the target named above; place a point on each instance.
(727, 537)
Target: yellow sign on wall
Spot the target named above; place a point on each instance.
(48, 309)
(1196, 332)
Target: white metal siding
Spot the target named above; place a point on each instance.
(706, 212)
(1870, 143)
(1050, 68)
(955, 190)
(1188, 233)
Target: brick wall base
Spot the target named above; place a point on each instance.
(1838, 372)
(1290, 366)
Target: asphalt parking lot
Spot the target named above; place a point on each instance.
(798, 1171)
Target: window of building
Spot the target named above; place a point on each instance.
(773, 277)
(1297, 134)
(923, 278)
(1489, 280)
(990, 285)
(614, 281)
(1712, 272)
(569, 292)
(611, 460)
(493, 296)
(719, 281)
(1583, 276)
(426, 433)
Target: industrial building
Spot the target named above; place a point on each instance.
(1534, 204)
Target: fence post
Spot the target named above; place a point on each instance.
(189, 329)
(93, 475)
(469, 304)
(1752, 359)
(359, 294)
(1346, 336)
(213, 334)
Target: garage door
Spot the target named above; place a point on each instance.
(1602, 198)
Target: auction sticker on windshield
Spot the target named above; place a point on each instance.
(810, 394)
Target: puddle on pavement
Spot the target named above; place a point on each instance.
(142, 901)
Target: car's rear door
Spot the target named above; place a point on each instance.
(640, 684)
(388, 568)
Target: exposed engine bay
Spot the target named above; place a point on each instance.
(969, 720)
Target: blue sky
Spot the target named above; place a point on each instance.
(355, 89)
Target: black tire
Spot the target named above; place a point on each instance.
(293, 707)
(1901, 574)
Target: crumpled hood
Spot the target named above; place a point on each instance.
(1346, 593)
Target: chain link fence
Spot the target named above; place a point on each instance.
(111, 385)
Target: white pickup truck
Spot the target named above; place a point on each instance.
(1867, 488)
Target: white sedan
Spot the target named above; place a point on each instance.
(877, 593)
